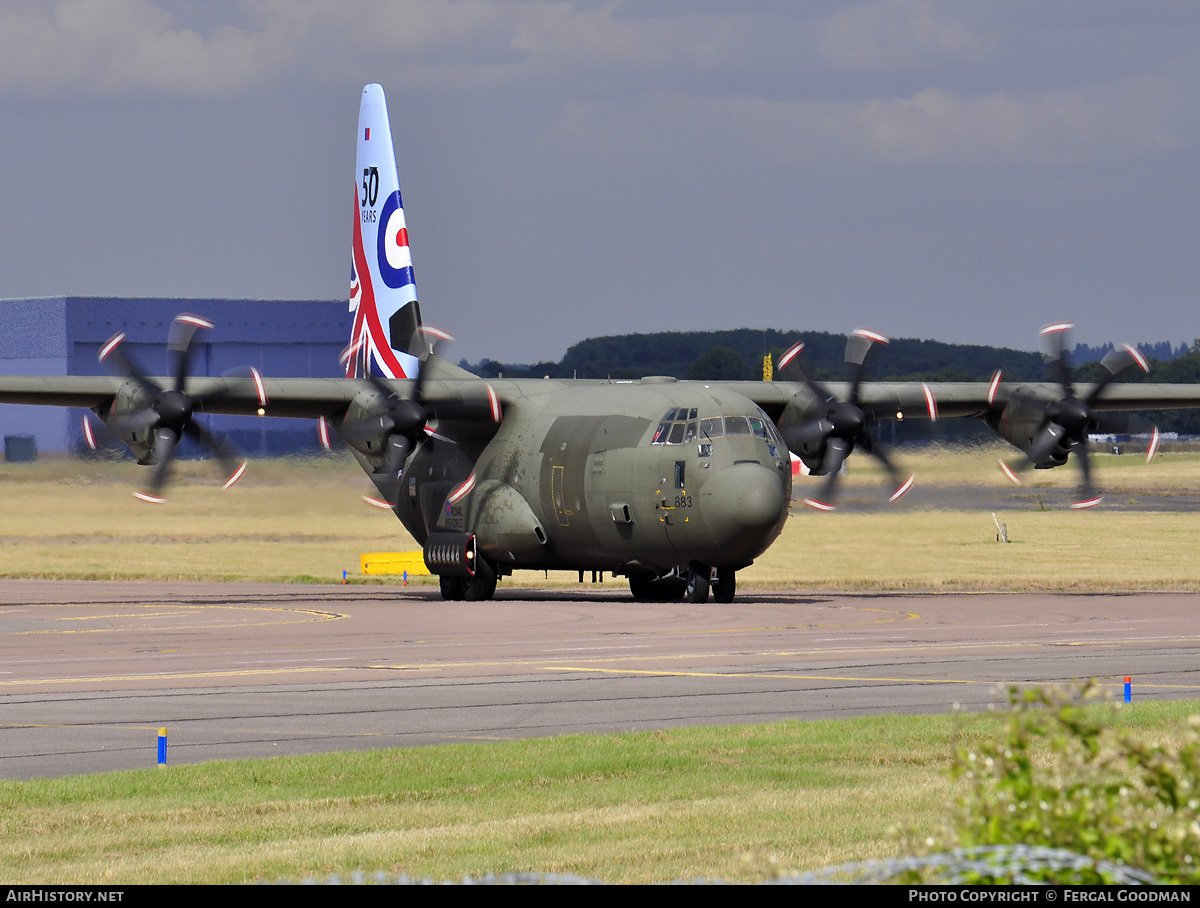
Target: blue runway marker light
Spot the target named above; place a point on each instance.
(1128, 689)
(162, 747)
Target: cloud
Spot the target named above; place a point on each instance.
(110, 47)
(171, 47)
(1123, 120)
(898, 34)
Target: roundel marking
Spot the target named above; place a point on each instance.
(392, 253)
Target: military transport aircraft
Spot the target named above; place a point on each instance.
(674, 485)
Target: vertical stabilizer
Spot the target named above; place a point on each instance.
(385, 339)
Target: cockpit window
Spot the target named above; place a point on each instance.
(680, 426)
(736, 425)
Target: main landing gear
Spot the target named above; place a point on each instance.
(694, 585)
(725, 586)
(480, 587)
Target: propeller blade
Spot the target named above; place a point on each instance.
(89, 436)
(1010, 470)
(842, 429)
(1050, 436)
(1088, 496)
(1155, 440)
(179, 344)
(394, 457)
(902, 489)
(790, 354)
(1117, 361)
(165, 442)
(171, 412)
(858, 345)
(806, 433)
(237, 383)
(434, 434)
(1069, 419)
(1056, 337)
(224, 450)
(112, 355)
(836, 452)
(791, 357)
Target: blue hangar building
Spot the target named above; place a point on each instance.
(62, 335)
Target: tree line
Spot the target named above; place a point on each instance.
(737, 354)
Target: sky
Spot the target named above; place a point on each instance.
(963, 171)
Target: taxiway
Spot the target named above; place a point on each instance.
(90, 671)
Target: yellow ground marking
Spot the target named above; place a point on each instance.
(183, 610)
(807, 626)
(115, 615)
(799, 653)
(178, 676)
(244, 731)
(878, 680)
(79, 725)
(765, 675)
(983, 644)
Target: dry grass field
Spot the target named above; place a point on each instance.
(304, 520)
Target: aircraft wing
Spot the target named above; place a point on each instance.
(59, 391)
(308, 398)
(911, 399)
(313, 398)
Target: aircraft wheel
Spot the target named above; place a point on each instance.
(482, 586)
(697, 586)
(725, 585)
(452, 588)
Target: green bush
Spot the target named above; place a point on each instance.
(1063, 775)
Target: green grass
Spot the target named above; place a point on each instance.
(739, 803)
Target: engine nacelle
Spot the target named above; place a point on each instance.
(810, 448)
(508, 531)
(451, 554)
(1019, 423)
(367, 407)
(131, 398)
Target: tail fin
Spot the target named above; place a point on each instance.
(386, 335)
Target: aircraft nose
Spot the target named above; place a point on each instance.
(744, 506)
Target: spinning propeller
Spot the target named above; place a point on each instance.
(842, 426)
(170, 412)
(1068, 420)
(403, 420)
